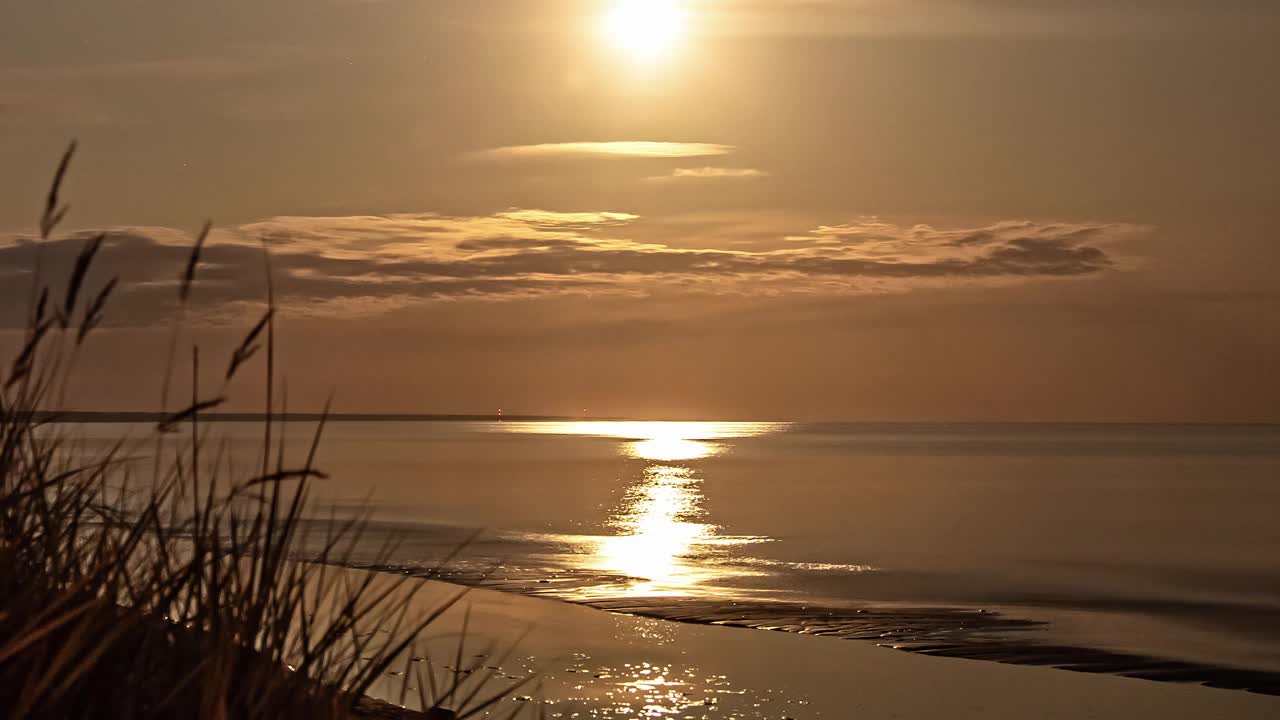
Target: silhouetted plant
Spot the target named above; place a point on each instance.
(180, 595)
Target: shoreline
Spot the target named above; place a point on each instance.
(997, 636)
(609, 662)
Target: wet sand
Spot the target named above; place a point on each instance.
(602, 664)
(1000, 636)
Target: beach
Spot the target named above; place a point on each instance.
(604, 665)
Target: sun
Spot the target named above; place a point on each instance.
(645, 30)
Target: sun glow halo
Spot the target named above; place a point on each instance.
(645, 30)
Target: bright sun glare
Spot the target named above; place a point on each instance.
(645, 30)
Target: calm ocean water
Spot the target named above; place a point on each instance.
(1158, 540)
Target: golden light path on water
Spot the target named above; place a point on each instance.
(660, 524)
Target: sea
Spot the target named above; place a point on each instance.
(1145, 550)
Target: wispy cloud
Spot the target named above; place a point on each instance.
(712, 173)
(346, 266)
(627, 148)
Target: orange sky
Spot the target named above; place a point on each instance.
(851, 209)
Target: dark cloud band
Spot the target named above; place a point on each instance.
(369, 264)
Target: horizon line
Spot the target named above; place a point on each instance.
(110, 416)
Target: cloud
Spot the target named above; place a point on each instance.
(630, 148)
(712, 173)
(361, 265)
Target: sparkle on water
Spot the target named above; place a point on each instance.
(660, 525)
(659, 690)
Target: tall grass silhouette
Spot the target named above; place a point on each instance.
(181, 595)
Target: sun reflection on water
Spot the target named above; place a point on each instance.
(671, 449)
(662, 539)
(658, 529)
(645, 429)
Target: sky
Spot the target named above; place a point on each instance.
(863, 210)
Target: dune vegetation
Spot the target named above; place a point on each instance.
(165, 586)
